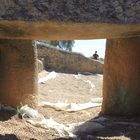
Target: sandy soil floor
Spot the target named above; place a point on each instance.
(73, 89)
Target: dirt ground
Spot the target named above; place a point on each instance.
(76, 89)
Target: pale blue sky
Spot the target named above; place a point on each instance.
(88, 47)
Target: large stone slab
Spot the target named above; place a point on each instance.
(121, 85)
(18, 72)
(116, 11)
(69, 19)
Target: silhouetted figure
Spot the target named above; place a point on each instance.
(95, 55)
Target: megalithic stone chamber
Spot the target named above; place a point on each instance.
(24, 20)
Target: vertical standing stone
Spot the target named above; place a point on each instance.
(18, 73)
(121, 88)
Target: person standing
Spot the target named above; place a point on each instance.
(95, 55)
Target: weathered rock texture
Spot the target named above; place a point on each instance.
(116, 11)
(59, 60)
(121, 90)
(71, 19)
(18, 72)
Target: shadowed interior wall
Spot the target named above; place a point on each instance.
(121, 86)
(18, 72)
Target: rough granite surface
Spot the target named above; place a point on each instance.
(100, 11)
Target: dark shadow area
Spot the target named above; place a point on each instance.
(6, 114)
(114, 128)
(8, 137)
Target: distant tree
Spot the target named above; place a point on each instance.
(67, 44)
(63, 44)
(53, 42)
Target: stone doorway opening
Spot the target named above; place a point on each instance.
(78, 86)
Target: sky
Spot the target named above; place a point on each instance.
(88, 47)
